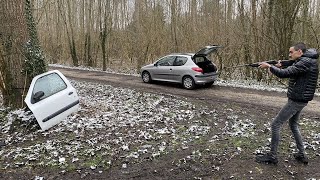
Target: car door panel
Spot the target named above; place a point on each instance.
(178, 68)
(160, 72)
(163, 69)
(178, 72)
(165, 73)
(59, 98)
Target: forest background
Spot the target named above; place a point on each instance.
(131, 33)
(127, 34)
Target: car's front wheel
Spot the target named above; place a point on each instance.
(188, 82)
(146, 77)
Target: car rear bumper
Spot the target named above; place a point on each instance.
(205, 78)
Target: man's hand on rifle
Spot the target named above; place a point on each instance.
(264, 65)
(278, 64)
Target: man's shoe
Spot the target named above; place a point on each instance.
(267, 158)
(302, 158)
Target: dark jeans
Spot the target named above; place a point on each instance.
(291, 111)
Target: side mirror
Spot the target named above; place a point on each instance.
(156, 64)
(36, 97)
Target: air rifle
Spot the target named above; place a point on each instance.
(284, 63)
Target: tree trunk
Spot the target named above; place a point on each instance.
(256, 56)
(87, 46)
(305, 22)
(70, 34)
(21, 57)
(174, 25)
(104, 32)
(246, 38)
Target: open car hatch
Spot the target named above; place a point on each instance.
(207, 50)
(51, 98)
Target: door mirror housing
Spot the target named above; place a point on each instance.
(37, 96)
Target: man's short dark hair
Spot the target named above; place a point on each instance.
(301, 46)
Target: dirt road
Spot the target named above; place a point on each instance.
(249, 97)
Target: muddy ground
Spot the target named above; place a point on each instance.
(220, 153)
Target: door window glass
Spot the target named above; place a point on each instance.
(49, 84)
(180, 61)
(166, 61)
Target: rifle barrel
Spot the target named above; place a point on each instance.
(254, 64)
(242, 65)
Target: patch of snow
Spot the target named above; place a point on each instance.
(120, 123)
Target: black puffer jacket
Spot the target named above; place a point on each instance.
(303, 74)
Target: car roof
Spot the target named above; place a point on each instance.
(182, 54)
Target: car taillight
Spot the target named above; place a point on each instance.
(197, 69)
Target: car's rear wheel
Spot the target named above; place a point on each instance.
(146, 77)
(188, 82)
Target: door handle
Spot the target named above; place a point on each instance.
(70, 93)
(170, 69)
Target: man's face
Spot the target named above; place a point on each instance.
(293, 54)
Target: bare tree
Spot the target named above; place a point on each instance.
(69, 25)
(245, 37)
(105, 29)
(173, 25)
(284, 18)
(88, 37)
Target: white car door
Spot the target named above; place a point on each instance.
(51, 98)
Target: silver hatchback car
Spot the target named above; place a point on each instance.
(189, 69)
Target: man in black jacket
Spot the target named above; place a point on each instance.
(303, 76)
